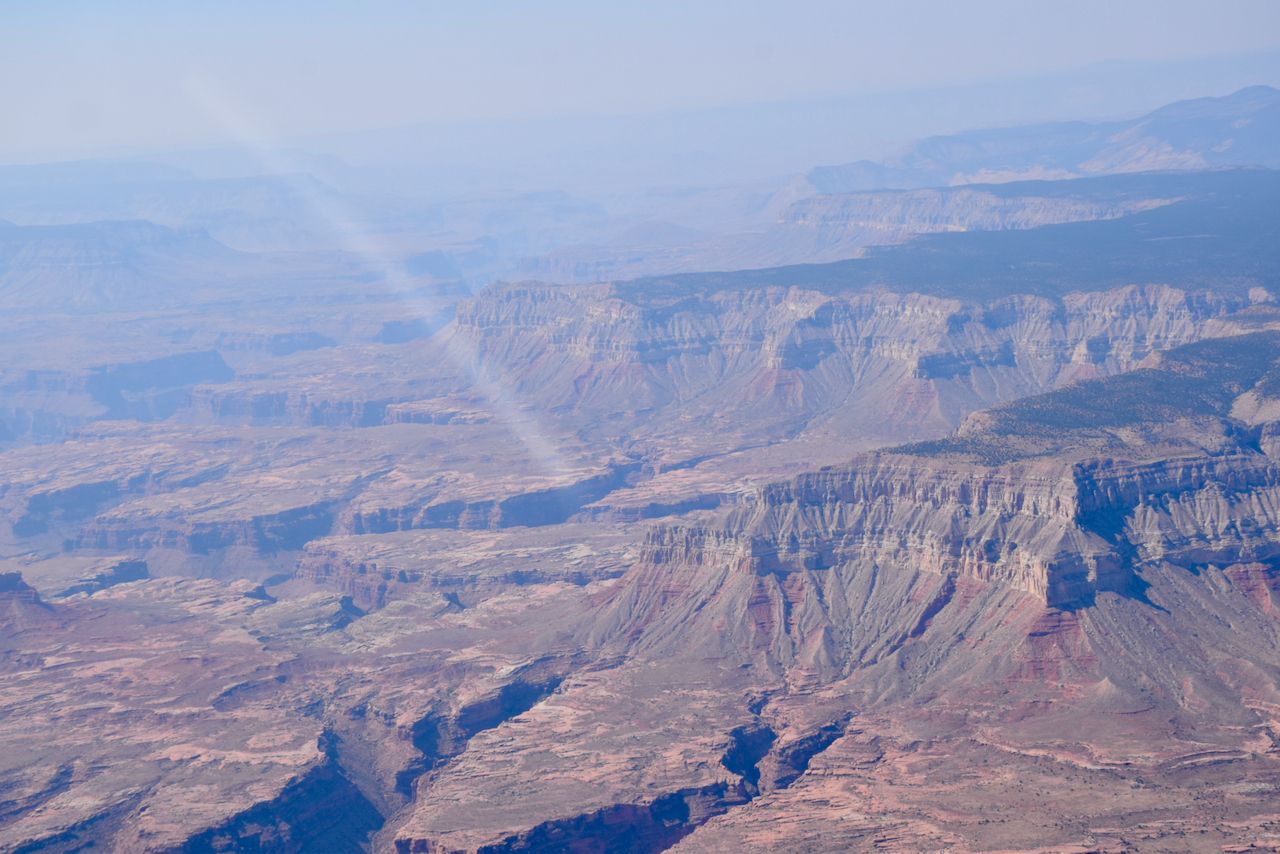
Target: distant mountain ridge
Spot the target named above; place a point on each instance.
(1220, 235)
(1241, 129)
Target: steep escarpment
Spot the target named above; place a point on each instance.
(20, 604)
(874, 364)
(116, 572)
(1068, 512)
(440, 737)
(287, 529)
(320, 810)
(1018, 526)
(1086, 602)
(257, 406)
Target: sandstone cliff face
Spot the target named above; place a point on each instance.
(531, 506)
(883, 364)
(1062, 532)
(286, 530)
(1019, 526)
(1074, 513)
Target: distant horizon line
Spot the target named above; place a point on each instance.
(302, 140)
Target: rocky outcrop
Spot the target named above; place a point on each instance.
(119, 572)
(774, 358)
(645, 828)
(20, 605)
(549, 506)
(466, 566)
(49, 405)
(1080, 508)
(320, 810)
(276, 405)
(437, 412)
(439, 737)
(155, 389)
(287, 530)
(239, 405)
(1061, 531)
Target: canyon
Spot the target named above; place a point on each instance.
(939, 515)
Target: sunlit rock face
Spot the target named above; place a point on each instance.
(872, 363)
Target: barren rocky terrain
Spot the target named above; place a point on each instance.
(966, 542)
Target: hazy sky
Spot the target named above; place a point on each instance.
(100, 74)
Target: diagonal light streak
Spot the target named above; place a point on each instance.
(354, 237)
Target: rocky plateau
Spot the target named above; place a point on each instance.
(943, 515)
